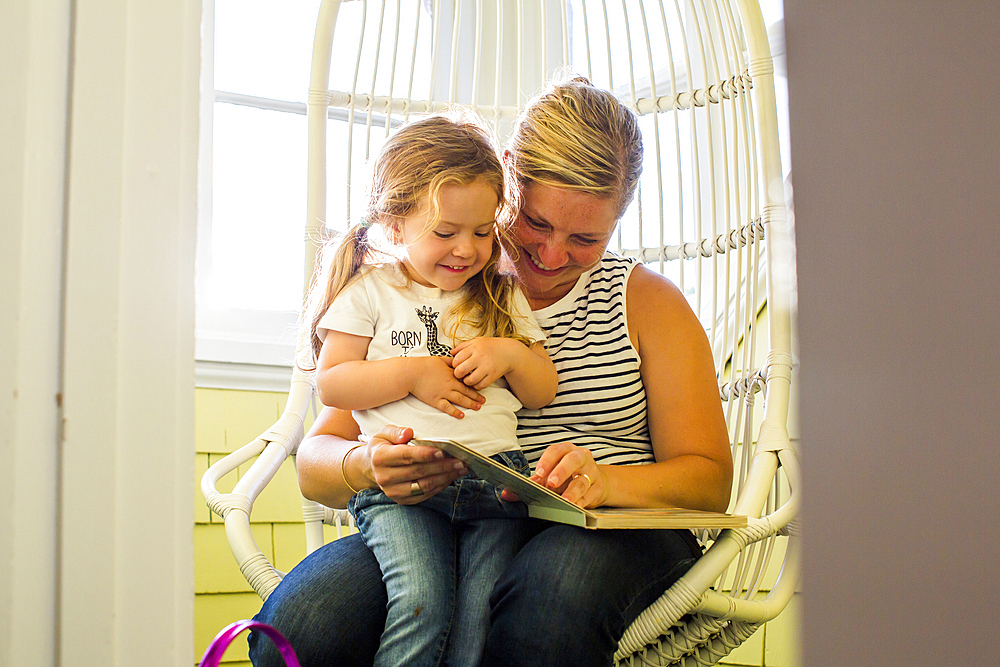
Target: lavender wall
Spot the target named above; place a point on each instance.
(895, 144)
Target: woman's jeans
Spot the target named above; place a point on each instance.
(440, 559)
(565, 599)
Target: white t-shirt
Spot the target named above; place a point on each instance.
(405, 319)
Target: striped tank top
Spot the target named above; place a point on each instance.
(600, 403)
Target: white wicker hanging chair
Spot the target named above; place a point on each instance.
(709, 214)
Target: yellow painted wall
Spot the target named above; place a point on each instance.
(227, 420)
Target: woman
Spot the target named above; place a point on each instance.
(636, 386)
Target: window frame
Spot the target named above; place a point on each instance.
(234, 348)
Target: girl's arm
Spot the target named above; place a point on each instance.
(530, 373)
(346, 380)
(693, 467)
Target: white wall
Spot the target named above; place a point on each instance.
(33, 83)
(896, 168)
(99, 131)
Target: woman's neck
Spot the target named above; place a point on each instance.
(546, 299)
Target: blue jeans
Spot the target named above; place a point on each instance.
(565, 599)
(440, 559)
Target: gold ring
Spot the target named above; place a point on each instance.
(590, 482)
(415, 489)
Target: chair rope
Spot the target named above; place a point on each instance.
(779, 365)
(701, 641)
(720, 245)
(313, 512)
(727, 89)
(792, 528)
(663, 614)
(286, 430)
(658, 618)
(263, 578)
(320, 97)
(398, 105)
(760, 67)
(745, 386)
(755, 531)
(223, 503)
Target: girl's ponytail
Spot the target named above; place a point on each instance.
(338, 261)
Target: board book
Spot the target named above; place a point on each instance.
(543, 503)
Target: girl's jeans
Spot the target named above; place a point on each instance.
(440, 559)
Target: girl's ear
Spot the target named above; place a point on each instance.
(394, 230)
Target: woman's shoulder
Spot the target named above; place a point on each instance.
(657, 308)
(653, 290)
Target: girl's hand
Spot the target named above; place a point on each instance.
(482, 361)
(433, 381)
(571, 472)
(394, 465)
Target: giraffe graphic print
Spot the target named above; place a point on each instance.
(429, 318)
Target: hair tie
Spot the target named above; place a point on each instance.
(365, 223)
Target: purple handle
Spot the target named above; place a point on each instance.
(215, 650)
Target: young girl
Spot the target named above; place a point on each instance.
(435, 337)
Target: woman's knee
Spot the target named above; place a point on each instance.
(331, 608)
(567, 581)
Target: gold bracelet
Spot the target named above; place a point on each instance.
(343, 469)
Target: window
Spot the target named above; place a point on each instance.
(250, 257)
(256, 60)
(251, 264)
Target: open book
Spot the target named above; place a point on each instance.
(545, 504)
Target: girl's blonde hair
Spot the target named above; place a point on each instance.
(573, 135)
(413, 165)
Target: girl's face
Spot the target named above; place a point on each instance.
(460, 244)
(559, 234)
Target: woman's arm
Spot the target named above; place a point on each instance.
(693, 467)
(386, 462)
(528, 370)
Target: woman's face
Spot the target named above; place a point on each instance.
(558, 235)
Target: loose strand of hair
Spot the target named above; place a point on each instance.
(339, 260)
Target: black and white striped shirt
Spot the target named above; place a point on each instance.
(601, 403)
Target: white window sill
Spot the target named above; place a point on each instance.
(241, 376)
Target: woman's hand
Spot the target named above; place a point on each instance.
(395, 466)
(571, 472)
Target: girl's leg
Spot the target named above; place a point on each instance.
(486, 548)
(331, 607)
(491, 532)
(415, 548)
(569, 594)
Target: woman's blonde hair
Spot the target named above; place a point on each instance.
(413, 165)
(573, 135)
